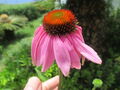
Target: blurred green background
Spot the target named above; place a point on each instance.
(100, 20)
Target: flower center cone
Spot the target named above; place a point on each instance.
(59, 22)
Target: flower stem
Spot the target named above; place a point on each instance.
(94, 88)
(60, 80)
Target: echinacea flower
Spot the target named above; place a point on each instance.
(60, 39)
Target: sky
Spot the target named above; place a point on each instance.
(20, 1)
(63, 1)
(116, 4)
(14, 1)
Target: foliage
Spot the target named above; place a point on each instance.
(46, 5)
(8, 24)
(18, 56)
(101, 29)
(28, 30)
(27, 10)
(1, 48)
(12, 22)
(112, 33)
(17, 59)
(51, 72)
(30, 10)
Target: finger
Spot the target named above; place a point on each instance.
(51, 83)
(33, 84)
(55, 88)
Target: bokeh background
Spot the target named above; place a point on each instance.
(100, 20)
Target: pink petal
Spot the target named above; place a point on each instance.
(78, 33)
(39, 29)
(38, 52)
(71, 41)
(35, 42)
(75, 59)
(61, 55)
(79, 30)
(47, 55)
(86, 51)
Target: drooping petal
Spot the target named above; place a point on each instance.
(35, 42)
(79, 30)
(72, 42)
(61, 55)
(78, 33)
(86, 51)
(75, 59)
(38, 30)
(47, 53)
(38, 52)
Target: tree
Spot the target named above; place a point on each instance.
(92, 16)
(101, 32)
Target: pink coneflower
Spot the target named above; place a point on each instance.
(60, 39)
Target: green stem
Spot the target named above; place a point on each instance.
(60, 80)
(94, 88)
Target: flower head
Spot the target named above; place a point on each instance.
(59, 22)
(60, 39)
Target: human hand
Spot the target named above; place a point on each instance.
(35, 84)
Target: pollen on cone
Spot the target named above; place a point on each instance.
(59, 22)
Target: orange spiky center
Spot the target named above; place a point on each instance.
(59, 22)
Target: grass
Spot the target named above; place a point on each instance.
(15, 64)
(25, 32)
(28, 30)
(16, 60)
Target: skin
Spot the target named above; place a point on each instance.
(35, 84)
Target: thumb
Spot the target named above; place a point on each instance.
(33, 84)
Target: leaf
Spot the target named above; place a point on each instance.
(41, 75)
